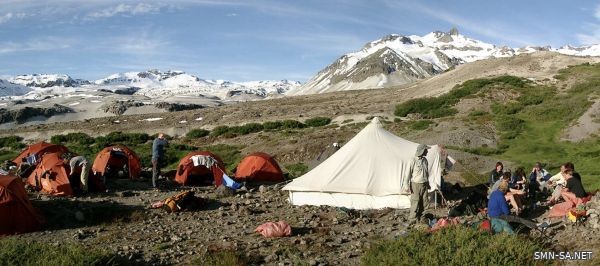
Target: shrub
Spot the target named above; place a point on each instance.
(79, 138)
(272, 125)
(507, 109)
(296, 170)
(21, 252)
(510, 123)
(317, 122)
(13, 142)
(218, 131)
(125, 138)
(248, 128)
(454, 246)
(197, 133)
(290, 124)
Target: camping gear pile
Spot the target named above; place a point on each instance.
(271, 229)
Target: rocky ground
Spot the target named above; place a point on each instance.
(122, 221)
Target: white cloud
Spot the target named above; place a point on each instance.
(124, 10)
(592, 34)
(38, 44)
(8, 16)
(232, 15)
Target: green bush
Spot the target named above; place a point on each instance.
(197, 133)
(454, 246)
(123, 138)
(291, 124)
(78, 138)
(248, 128)
(13, 142)
(507, 109)
(317, 122)
(21, 252)
(218, 131)
(272, 125)
(296, 170)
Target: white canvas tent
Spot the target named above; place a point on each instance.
(366, 173)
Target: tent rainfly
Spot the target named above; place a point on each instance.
(366, 173)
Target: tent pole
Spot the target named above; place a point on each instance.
(435, 199)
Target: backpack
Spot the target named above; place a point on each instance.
(183, 201)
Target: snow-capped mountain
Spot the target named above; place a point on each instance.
(395, 60)
(47, 80)
(152, 83)
(10, 89)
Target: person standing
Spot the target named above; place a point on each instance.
(158, 156)
(80, 162)
(419, 183)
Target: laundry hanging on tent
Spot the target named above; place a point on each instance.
(203, 160)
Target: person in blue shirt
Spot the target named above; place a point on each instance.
(497, 205)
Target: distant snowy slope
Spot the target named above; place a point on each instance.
(395, 60)
(11, 89)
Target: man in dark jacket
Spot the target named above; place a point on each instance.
(158, 156)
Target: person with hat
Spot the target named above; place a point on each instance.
(419, 182)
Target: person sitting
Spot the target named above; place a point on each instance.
(557, 182)
(573, 194)
(498, 209)
(496, 173)
(537, 179)
(511, 195)
(573, 191)
(518, 179)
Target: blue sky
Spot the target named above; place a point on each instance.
(245, 40)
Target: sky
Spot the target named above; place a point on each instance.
(243, 40)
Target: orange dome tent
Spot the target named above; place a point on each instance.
(190, 174)
(51, 176)
(16, 213)
(259, 166)
(38, 149)
(111, 159)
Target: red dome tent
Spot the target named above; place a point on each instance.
(16, 213)
(51, 176)
(111, 160)
(259, 166)
(190, 174)
(38, 149)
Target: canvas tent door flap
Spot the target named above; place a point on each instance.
(17, 215)
(117, 161)
(200, 168)
(259, 167)
(366, 173)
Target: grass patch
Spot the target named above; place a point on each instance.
(21, 252)
(317, 121)
(454, 246)
(420, 124)
(296, 170)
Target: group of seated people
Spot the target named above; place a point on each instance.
(507, 187)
